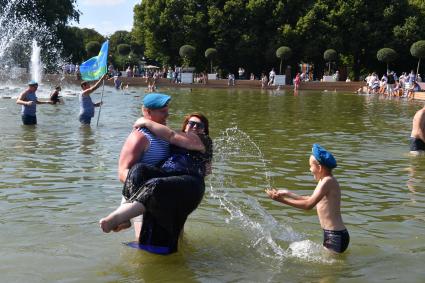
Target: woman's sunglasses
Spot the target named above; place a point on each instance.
(199, 125)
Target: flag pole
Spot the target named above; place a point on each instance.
(101, 100)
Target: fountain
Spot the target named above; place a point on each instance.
(36, 67)
(13, 32)
(26, 46)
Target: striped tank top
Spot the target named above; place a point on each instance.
(158, 150)
(30, 110)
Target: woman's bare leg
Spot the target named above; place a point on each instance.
(120, 218)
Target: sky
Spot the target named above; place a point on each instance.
(106, 16)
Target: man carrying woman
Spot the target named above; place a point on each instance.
(168, 193)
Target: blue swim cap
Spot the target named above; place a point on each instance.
(156, 100)
(323, 156)
(32, 82)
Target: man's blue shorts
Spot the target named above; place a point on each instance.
(29, 120)
(85, 119)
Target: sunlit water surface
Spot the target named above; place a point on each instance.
(57, 179)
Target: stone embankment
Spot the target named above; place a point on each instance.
(239, 84)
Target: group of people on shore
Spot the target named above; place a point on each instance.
(163, 172)
(391, 85)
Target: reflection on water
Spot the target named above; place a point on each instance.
(415, 182)
(87, 140)
(58, 179)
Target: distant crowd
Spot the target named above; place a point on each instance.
(392, 85)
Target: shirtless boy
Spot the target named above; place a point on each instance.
(326, 197)
(417, 137)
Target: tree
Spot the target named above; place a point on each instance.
(117, 38)
(210, 54)
(386, 55)
(73, 45)
(250, 31)
(330, 55)
(283, 53)
(91, 35)
(92, 48)
(187, 52)
(418, 50)
(123, 49)
(42, 20)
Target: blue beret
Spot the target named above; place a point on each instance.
(323, 156)
(156, 100)
(33, 82)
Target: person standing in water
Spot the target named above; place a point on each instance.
(417, 137)
(28, 99)
(166, 195)
(326, 198)
(144, 146)
(86, 104)
(54, 97)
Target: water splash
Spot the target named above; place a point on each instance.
(16, 42)
(272, 239)
(36, 66)
(13, 30)
(309, 251)
(236, 147)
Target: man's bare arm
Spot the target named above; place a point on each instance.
(131, 151)
(421, 125)
(22, 99)
(94, 87)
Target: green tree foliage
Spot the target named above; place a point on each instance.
(92, 48)
(187, 52)
(76, 41)
(117, 38)
(123, 49)
(73, 45)
(418, 50)
(248, 32)
(283, 53)
(92, 35)
(386, 55)
(134, 49)
(49, 13)
(48, 20)
(210, 54)
(330, 55)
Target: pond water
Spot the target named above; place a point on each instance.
(58, 179)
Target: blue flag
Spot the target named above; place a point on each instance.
(94, 68)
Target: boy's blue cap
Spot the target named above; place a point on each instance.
(323, 156)
(32, 82)
(156, 100)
